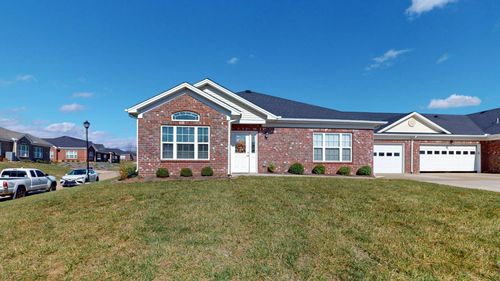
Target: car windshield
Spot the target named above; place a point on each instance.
(77, 172)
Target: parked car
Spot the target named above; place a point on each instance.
(16, 183)
(79, 176)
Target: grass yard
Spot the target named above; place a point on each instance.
(51, 169)
(253, 228)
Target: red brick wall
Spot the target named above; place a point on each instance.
(490, 152)
(60, 155)
(285, 146)
(416, 150)
(149, 150)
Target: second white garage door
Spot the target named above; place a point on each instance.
(388, 158)
(435, 158)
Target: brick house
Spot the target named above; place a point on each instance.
(70, 149)
(24, 146)
(205, 124)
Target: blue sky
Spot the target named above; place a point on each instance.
(62, 62)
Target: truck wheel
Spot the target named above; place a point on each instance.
(97, 179)
(53, 186)
(20, 192)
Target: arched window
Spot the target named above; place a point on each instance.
(185, 116)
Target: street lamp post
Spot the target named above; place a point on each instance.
(86, 124)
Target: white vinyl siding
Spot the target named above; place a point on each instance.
(332, 147)
(185, 143)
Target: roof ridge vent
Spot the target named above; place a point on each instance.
(248, 91)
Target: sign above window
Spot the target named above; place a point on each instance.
(185, 116)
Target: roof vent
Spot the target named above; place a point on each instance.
(436, 116)
(248, 91)
(498, 120)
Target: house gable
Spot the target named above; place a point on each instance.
(414, 123)
(184, 88)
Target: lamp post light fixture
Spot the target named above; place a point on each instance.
(86, 125)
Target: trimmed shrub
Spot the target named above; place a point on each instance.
(364, 171)
(127, 170)
(162, 173)
(186, 172)
(344, 171)
(207, 171)
(319, 169)
(271, 168)
(296, 169)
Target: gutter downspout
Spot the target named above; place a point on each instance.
(229, 124)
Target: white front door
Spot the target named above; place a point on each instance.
(388, 158)
(441, 158)
(244, 152)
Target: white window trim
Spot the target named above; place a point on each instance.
(27, 150)
(323, 148)
(174, 144)
(70, 155)
(183, 120)
(35, 152)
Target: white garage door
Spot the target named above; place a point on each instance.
(388, 158)
(448, 158)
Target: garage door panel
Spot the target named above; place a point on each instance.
(388, 159)
(448, 158)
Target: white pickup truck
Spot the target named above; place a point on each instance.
(16, 183)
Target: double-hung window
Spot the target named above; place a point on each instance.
(71, 154)
(330, 147)
(24, 150)
(38, 152)
(185, 143)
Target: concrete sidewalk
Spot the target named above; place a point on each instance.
(489, 182)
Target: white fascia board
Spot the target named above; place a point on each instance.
(324, 123)
(387, 136)
(136, 108)
(493, 137)
(203, 82)
(425, 119)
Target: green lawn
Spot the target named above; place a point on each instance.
(51, 169)
(253, 228)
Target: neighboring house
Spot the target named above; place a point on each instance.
(67, 149)
(25, 146)
(127, 156)
(99, 153)
(206, 124)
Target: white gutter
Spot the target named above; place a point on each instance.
(385, 136)
(344, 121)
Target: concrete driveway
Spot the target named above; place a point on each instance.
(468, 180)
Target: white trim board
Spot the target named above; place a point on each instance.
(419, 117)
(136, 109)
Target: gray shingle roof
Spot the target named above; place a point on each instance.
(472, 124)
(8, 135)
(488, 121)
(66, 141)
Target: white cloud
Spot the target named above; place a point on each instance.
(63, 127)
(419, 7)
(386, 59)
(19, 78)
(443, 58)
(84, 95)
(233, 60)
(454, 101)
(71, 107)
